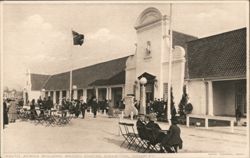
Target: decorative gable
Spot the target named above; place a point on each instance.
(147, 17)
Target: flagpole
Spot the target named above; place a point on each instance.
(170, 66)
(70, 83)
(70, 74)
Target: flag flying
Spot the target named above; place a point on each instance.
(78, 38)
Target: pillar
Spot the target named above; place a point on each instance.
(96, 93)
(60, 98)
(210, 98)
(123, 92)
(110, 93)
(84, 94)
(107, 93)
(54, 97)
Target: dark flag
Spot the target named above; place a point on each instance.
(78, 39)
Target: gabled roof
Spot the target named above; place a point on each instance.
(38, 81)
(181, 39)
(58, 82)
(84, 76)
(106, 73)
(114, 80)
(218, 56)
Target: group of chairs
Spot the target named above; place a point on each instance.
(144, 140)
(47, 118)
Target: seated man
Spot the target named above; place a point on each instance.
(156, 134)
(172, 139)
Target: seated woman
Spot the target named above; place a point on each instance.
(172, 139)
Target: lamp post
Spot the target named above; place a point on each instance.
(143, 81)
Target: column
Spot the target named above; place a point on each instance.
(84, 94)
(110, 93)
(210, 98)
(96, 93)
(123, 92)
(60, 98)
(54, 97)
(107, 93)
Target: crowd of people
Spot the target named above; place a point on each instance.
(158, 106)
(74, 107)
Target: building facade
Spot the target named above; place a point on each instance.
(217, 70)
(212, 68)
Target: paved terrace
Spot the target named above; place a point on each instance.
(100, 135)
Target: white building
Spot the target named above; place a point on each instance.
(213, 69)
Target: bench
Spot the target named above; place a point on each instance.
(208, 117)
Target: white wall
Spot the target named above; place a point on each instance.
(152, 63)
(197, 96)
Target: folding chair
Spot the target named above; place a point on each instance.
(143, 138)
(128, 133)
(133, 136)
(153, 144)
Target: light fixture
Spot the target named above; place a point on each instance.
(143, 81)
(74, 87)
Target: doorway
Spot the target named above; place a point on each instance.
(116, 96)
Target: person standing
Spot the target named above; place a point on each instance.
(238, 115)
(33, 109)
(83, 107)
(94, 106)
(12, 111)
(110, 109)
(49, 105)
(173, 138)
(5, 114)
(77, 108)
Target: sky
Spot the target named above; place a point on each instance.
(37, 36)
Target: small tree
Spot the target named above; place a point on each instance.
(183, 102)
(172, 107)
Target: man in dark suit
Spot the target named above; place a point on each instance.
(157, 135)
(94, 106)
(83, 107)
(5, 114)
